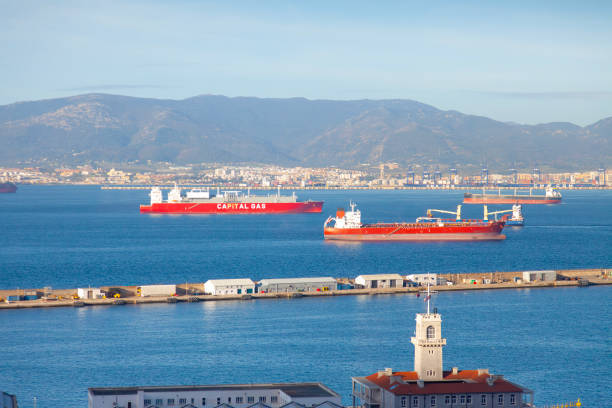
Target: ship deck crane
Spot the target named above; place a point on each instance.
(516, 212)
(456, 213)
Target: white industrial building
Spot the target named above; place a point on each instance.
(388, 280)
(89, 293)
(424, 278)
(229, 286)
(297, 285)
(545, 276)
(298, 395)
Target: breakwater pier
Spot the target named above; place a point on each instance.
(197, 292)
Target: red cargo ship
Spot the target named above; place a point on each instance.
(551, 196)
(348, 227)
(8, 187)
(200, 201)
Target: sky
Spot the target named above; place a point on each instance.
(521, 61)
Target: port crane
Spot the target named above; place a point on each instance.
(455, 213)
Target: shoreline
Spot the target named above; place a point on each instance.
(572, 278)
(323, 188)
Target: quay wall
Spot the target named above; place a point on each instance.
(194, 292)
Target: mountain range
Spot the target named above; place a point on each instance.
(292, 132)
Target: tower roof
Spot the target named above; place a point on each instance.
(453, 382)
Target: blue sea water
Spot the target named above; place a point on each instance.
(554, 341)
(68, 237)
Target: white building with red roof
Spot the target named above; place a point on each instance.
(429, 386)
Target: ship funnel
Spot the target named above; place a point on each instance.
(340, 213)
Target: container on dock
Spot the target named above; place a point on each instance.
(13, 298)
(30, 297)
(89, 293)
(544, 276)
(157, 290)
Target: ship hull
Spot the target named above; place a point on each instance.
(233, 208)
(416, 232)
(510, 200)
(8, 188)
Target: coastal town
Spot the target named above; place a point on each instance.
(384, 175)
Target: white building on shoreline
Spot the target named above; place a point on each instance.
(380, 281)
(229, 287)
(300, 395)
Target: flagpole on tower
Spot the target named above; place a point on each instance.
(428, 296)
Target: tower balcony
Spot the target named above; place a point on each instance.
(428, 342)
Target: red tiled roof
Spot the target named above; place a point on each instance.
(465, 381)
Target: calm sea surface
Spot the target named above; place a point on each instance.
(68, 237)
(554, 341)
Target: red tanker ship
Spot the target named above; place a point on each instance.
(200, 201)
(348, 227)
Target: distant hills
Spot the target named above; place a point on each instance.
(291, 132)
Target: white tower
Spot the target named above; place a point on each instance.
(428, 343)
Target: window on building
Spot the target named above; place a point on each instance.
(433, 400)
(182, 401)
(431, 332)
(147, 402)
(274, 399)
(238, 400)
(447, 399)
(250, 400)
(403, 400)
(483, 399)
(262, 399)
(218, 400)
(192, 401)
(159, 402)
(229, 400)
(454, 398)
(170, 401)
(203, 402)
(462, 399)
(512, 399)
(500, 399)
(469, 399)
(415, 401)
(129, 404)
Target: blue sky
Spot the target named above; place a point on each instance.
(527, 62)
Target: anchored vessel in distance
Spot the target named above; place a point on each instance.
(8, 187)
(347, 226)
(203, 201)
(551, 196)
